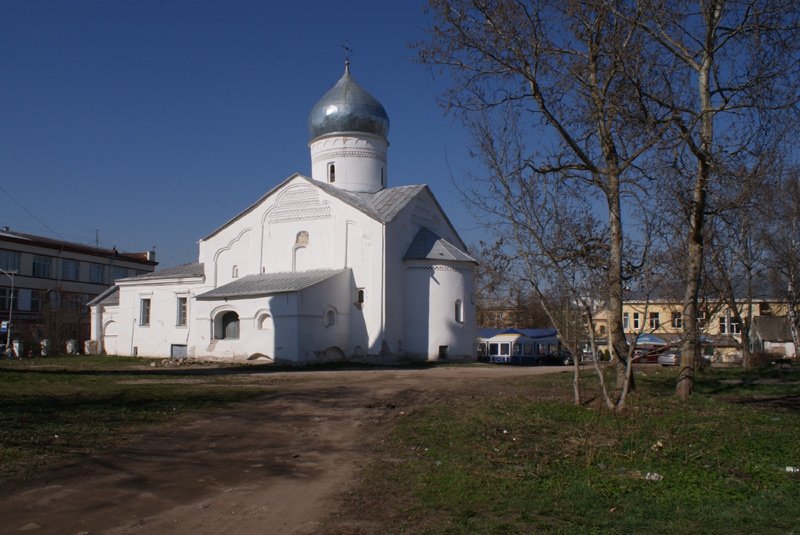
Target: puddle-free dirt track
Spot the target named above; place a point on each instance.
(277, 465)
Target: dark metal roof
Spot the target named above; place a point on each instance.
(109, 297)
(51, 243)
(176, 272)
(347, 107)
(548, 332)
(271, 283)
(772, 328)
(427, 245)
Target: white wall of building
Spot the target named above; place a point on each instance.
(359, 161)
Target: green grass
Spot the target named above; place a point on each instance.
(519, 460)
(517, 464)
(52, 408)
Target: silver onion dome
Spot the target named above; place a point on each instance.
(347, 107)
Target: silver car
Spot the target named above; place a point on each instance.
(673, 358)
(670, 358)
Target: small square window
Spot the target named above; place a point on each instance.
(41, 266)
(97, 274)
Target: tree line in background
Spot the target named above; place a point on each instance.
(631, 146)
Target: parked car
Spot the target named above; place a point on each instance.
(673, 358)
(640, 356)
(562, 357)
(670, 358)
(588, 356)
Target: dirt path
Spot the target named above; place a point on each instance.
(273, 466)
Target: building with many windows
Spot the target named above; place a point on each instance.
(53, 281)
(333, 266)
(656, 322)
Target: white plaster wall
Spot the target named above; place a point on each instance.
(277, 339)
(264, 239)
(360, 161)
(155, 339)
(108, 326)
(410, 324)
(432, 289)
(296, 331)
(315, 335)
(782, 348)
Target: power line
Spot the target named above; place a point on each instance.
(45, 225)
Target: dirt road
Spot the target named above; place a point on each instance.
(276, 465)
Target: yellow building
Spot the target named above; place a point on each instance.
(660, 322)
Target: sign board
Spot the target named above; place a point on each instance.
(3, 327)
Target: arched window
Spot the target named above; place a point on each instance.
(331, 173)
(330, 318)
(229, 326)
(301, 240)
(299, 255)
(459, 311)
(235, 272)
(264, 322)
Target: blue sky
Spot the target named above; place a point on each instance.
(154, 122)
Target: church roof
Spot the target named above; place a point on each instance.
(382, 205)
(109, 296)
(176, 272)
(347, 107)
(271, 283)
(427, 245)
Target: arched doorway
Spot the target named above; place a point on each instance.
(227, 326)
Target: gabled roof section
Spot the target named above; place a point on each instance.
(772, 328)
(271, 283)
(182, 271)
(382, 206)
(427, 245)
(388, 202)
(109, 297)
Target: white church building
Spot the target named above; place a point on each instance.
(338, 266)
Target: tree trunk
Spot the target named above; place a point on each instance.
(616, 334)
(690, 349)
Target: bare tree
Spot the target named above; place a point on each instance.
(781, 242)
(730, 69)
(735, 266)
(553, 91)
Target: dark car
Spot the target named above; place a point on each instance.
(562, 357)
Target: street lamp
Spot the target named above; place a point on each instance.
(10, 275)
